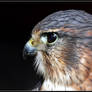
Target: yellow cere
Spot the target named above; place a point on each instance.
(31, 42)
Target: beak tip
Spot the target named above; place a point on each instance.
(28, 51)
(24, 54)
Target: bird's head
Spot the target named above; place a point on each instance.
(58, 43)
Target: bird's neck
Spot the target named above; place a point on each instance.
(48, 85)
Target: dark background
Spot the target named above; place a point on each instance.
(16, 23)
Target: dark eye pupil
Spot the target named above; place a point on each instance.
(51, 37)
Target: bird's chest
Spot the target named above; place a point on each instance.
(49, 86)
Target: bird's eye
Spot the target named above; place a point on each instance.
(49, 38)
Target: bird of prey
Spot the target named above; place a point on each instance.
(62, 45)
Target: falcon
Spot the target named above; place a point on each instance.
(62, 46)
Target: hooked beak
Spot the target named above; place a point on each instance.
(29, 49)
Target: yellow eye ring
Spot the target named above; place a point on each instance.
(49, 38)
